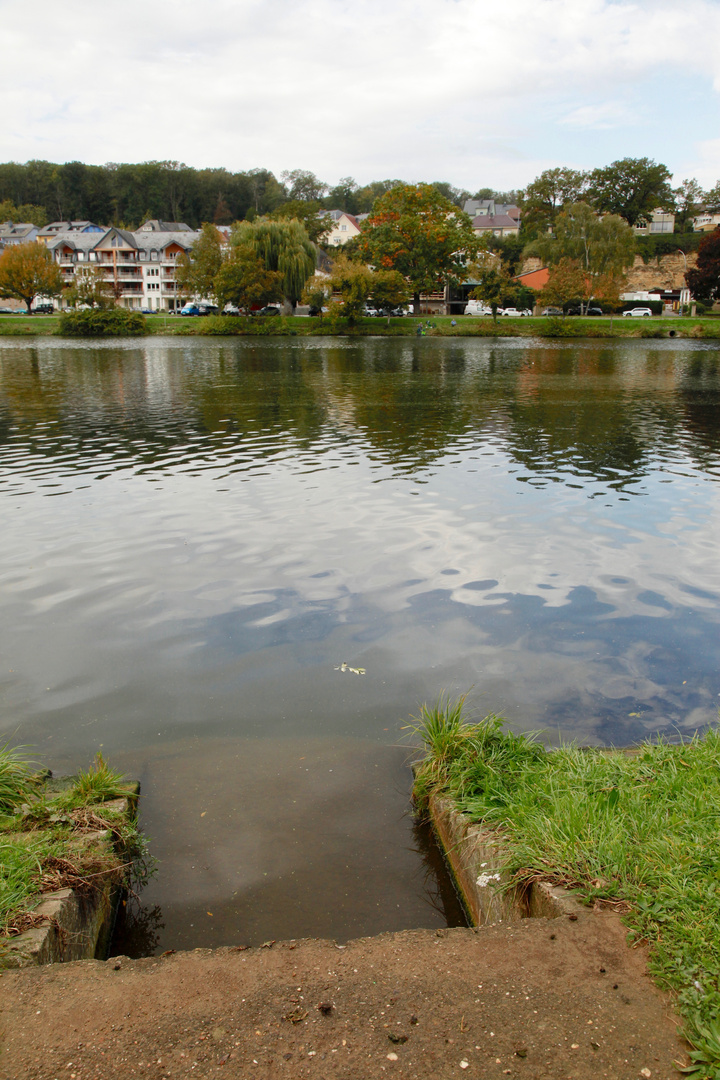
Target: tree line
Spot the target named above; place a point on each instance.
(128, 194)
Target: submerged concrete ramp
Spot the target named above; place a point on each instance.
(539, 998)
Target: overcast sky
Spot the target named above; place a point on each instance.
(474, 92)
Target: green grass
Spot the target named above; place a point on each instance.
(40, 821)
(705, 328)
(99, 784)
(16, 779)
(640, 827)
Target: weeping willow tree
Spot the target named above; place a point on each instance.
(284, 247)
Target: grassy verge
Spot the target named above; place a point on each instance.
(705, 328)
(47, 830)
(639, 830)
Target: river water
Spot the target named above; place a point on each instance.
(196, 534)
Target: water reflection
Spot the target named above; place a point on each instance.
(195, 534)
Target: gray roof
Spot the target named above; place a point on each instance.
(155, 225)
(16, 229)
(55, 227)
(148, 241)
(495, 221)
(158, 241)
(480, 207)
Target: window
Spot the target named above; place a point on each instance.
(343, 228)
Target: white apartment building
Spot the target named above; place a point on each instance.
(139, 266)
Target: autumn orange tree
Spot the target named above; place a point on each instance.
(567, 282)
(418, 232)
(27, 271)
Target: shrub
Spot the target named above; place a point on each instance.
(118, 322)
(558, 328)
(654, 247)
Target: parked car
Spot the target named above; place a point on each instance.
(44, 309)
(512, 312)
(269, 309)
(638, 312)
(7, 311)
(477, 308)
(199, 309)
(372, 312)
(552, 311)
(314, 311)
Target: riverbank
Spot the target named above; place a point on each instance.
(634, 831)
(539, 999)
(66, 848)
(706, 328)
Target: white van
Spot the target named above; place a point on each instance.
(477, 307)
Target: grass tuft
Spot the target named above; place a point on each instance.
(639, 827)
(16, 778)
(99, 784)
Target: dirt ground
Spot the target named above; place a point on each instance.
(541, 998)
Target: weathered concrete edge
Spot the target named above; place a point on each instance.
(474, 856)
(78, 926)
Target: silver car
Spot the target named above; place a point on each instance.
(638, 312)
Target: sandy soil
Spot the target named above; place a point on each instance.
(553, 999)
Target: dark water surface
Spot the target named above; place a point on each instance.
(195, 534)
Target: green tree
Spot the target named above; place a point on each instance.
(704, 279)
(457, 196)
(313, 216)
(27, 271)
(418, 232)
(547, 195)
(495, 285)
(283, 246)
(90, 289)
(303, 185)
(631, 188)
(354, 282)
(712, 200)
(243, 280)
(689, 201)
(389, 290)
(27, 213)
(195, 273)
(599, 246)
(317, 292)
(343, 196)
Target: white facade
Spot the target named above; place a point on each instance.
(662, 221)
(706, 222)
(345, 227)
(139, 267)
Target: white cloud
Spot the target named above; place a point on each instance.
(601, 117)
(452, 88)
(706, 167)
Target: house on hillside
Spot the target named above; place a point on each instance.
(16, 232)
(706, 222)
(497, 224)
(661, 221)
(345, 227)
(55, 228)
(490, 208)
(155, 225)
